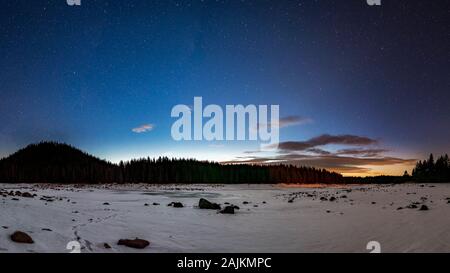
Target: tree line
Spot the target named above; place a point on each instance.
(50, 162)
(433, 170)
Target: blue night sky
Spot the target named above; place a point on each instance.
(362, 89)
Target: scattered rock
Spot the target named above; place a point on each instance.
(205, 204)
(136, 243)
(176, 205)
(21, 237)
(228, 210)
(27, 195)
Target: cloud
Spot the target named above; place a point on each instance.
(143, 128)
(287, 121)
(325, 140)
(332, 162)
(362, 152)
(359, 158)
(292, 120)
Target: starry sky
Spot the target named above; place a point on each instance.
(363, 90)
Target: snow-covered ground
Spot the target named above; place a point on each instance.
(269, 223)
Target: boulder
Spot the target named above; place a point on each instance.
(135, 243)
(205, 204)
(21, 237)
(176, 205)
(27, 195)
(228, 210)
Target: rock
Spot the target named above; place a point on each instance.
(228, 210)
(106, 204)
(155, 204)
(46, 229)
(291, 201)
(323, 199)
(412, 206)
(373, 203)
(146, 205)
(332, 199)
(205, 204)
(136, 243)
(107, 246)
(344, 196)
(399, 208)
(21, 237)
(176, 205)
(424, 207)
(264, 202)
(27, 195)
(245, 202)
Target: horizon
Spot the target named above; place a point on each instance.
(172, 158)
(358, 92)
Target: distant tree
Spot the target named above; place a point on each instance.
(52, 162)
(433, 171)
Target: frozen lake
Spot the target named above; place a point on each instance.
(276, 218)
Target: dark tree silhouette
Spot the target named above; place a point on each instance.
(433, 171)
(50, 162)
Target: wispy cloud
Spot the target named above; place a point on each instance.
(143, 128)
(325, 140)
(287, 121)
(362, 155)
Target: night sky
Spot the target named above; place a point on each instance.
(362, 90)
